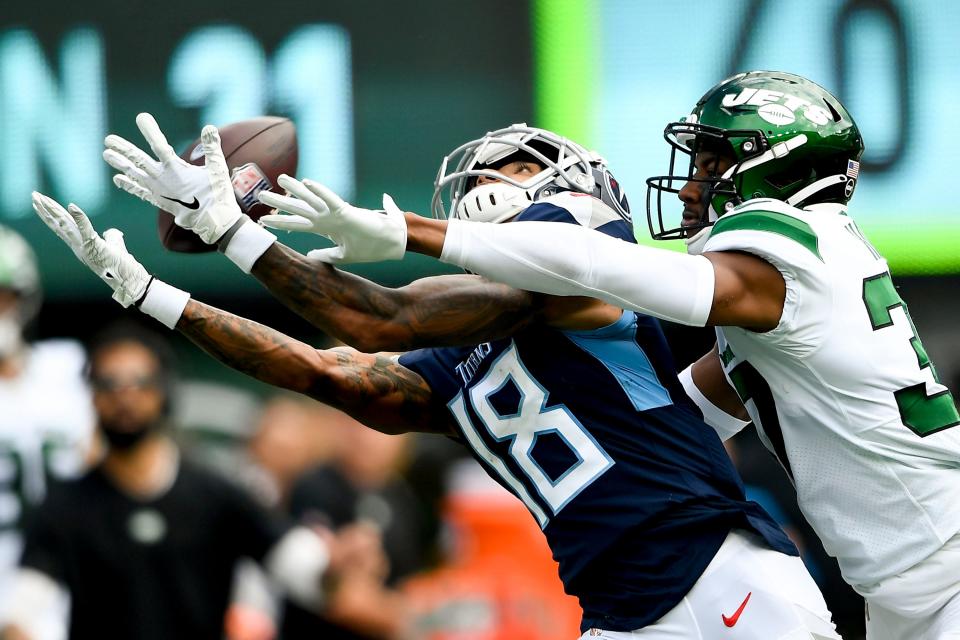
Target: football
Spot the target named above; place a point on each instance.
(257, 151)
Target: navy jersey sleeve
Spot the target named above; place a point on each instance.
(579, 208)
(435, 365)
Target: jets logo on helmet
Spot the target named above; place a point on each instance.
(777, 107)
(568, 166)
(787, 138)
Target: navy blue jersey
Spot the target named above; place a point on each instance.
(594, 433)
(579, 208)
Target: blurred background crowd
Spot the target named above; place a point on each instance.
(207, 483)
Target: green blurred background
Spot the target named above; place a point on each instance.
(380, 91)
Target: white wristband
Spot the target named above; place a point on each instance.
(722, 422)
(165, 303)
(249, 242)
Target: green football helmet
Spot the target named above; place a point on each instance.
(19, 273)
(787, 138)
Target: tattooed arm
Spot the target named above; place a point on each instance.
(373, 389)
(440, 311)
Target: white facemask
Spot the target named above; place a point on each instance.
(493, 202)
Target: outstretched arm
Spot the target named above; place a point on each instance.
(439, 311)
(719, 288)
(571, 260)
(434, 312)
(726, 288)
(374, 389)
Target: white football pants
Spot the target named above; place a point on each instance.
(922, 603)
(747, 592)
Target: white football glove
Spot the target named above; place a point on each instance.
(107, 256)
(201, 199)
(361, 235)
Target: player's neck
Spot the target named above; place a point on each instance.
(11, 366)
(146, 470)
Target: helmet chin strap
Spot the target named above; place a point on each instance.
(778, 150)
(824, 183)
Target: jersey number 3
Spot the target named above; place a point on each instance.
(921, 413)
(532, 420)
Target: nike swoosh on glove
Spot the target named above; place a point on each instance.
(201, 199)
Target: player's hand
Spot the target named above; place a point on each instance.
(201, 199)
(361, 235)
(107, 256)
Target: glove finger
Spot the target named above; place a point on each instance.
(135, 188)
(154, 136)
(286, 223)
(215, 162)
(300, 190)
(390, 206)
(333, 201)
(114, 238)
(86, 229)
(122, 163)
(330, 255)
(131, 154)
(53, 215)
(290, 205)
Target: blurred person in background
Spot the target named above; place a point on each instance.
(46, 419)
(498, 580)
(290, 437)
(145, 544)
(361, 484)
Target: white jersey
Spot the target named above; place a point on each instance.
(843, 392)
(46, 427)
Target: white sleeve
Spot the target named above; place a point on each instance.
(722, 422)
(569, 260)
(38, 607)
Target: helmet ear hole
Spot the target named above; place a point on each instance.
(833, 112)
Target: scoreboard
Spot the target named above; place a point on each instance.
(380, 90)
(893, 63)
